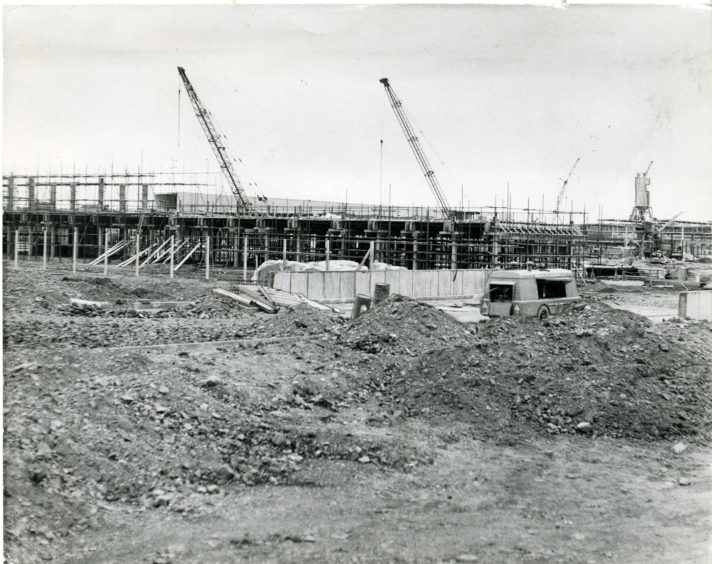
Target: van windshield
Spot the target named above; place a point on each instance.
(501, 292)
(551, 289)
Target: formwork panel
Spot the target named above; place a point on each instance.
(480, 281)
(402, 282)
(457, 282)
(377, 278)
(363, 284)
(346, 285)
(430, 283)
(332, 285)
(316, 285)
(444, 283)
(282, 281)
(299, 282)
(468, 282)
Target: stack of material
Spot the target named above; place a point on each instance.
(249, 297)
(288, 299)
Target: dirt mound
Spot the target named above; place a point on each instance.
(299, 320)
(596, 371)
(134, 429)
(400, 325)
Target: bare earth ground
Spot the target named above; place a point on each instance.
(298, 437)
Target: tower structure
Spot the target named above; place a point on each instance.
(642, 211)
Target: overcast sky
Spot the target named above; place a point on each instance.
(499, 95)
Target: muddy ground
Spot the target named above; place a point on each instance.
(218, 434)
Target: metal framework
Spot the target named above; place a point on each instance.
(563, 187)
(218, 144)
(414, 143)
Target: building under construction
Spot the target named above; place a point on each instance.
(133, 205)
(136, 215)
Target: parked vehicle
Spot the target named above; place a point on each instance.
(539, 293)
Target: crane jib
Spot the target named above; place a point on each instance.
(219, 149)
(412, 140)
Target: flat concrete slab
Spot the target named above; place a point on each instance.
(464, 312)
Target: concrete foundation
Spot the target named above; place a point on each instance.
(696, 305)
(334, 287)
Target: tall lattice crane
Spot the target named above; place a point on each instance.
(218, 144)
(397, 106)
(560, 197)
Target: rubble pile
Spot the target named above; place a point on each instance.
(401, 325)
(97, 328)
(594, 370)
(104, 331)
(301, 319)
(125, 428)
(88, 427)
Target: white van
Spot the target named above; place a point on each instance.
(539, 293)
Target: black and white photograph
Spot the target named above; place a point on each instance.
(357, 283)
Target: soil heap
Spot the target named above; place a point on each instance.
(593, 370)
(400, 325)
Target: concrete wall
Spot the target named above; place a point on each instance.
(425, 284)
(696, 305)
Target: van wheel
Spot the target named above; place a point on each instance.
(543, 313)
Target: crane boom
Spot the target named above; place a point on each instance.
(563, 187)
(668, 223)
(217, 144)
(397, 106)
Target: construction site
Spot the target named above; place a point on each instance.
(199, 376)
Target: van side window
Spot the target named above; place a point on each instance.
(551, 289)
(500, 292)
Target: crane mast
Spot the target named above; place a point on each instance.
(217, 144)
(414, 143)
(563, 187)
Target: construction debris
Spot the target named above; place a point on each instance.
(172, 411)
(246, 299)
(87, 304)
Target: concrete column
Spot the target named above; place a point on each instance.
(106, 252)
(370, 256)
(207, 257)
(266, 247)
(53, 196)
(415, 254)
(10, 193)
(244, 260)
(495, 249)
(73, 197)
(173, 241)
(98, 240)
(284, 254)
(44, 249)
(122, 197)
(298, 253)
(52, 242)
(328, 253)
(31, 193)
(100, 195)
(17, 248)
(138, 246)
(75, 249)
(144, 196)
(236, 249)
(453, 255)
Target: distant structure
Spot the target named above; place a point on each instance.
(642, 211)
